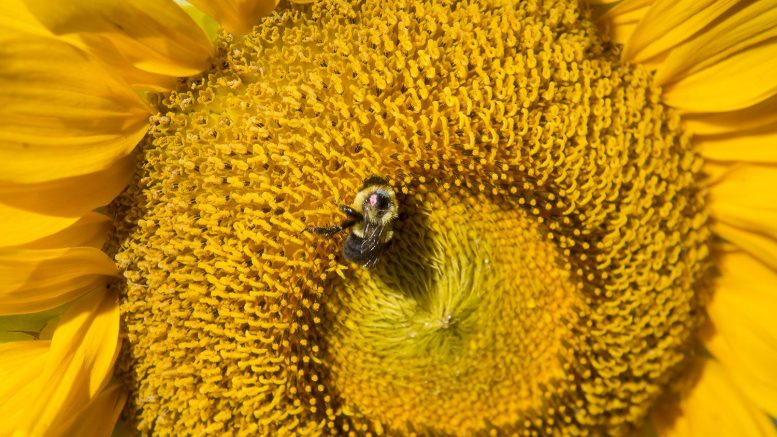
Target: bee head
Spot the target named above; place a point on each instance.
(377, 201)
(378, 204)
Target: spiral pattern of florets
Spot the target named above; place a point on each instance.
(545, 268)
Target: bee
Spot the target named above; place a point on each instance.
(370, 218)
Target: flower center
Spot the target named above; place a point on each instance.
(545, 269)
(457, 327)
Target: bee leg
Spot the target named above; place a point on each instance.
(352, 213)
(328, 231)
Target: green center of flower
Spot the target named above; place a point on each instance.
(456, 327)
(545, 271)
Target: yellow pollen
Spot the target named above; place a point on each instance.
(546, 271)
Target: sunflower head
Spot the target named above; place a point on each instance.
(544, 273)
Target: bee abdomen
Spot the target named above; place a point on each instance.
(353, 250)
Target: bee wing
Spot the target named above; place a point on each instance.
(370, 263)
(372, 232)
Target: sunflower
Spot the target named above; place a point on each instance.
(586, 241)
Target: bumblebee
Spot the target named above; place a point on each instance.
(370, 217)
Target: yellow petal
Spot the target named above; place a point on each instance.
(744, 205)
(99, 417)
(743, 27)
(61, 115)
(621, 32)
(106, 52)
(760, 116)
(65, 197)
(36, 280)
(625, 10)
(760, 246)
(735, 54)
(20, 226)
(713, 407)
(744, 337)
(156, 36)
(746, 198)
(737, 82)
(91, 230)
(22, 362)
(236, 16)
(758, 146)
(37, 326)
(621, 21)
(15, 17)
(33, 211)
(716, 170)
(77, 366)
(83, 350)
(207, 23)
(670, 22)
(747, 185)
